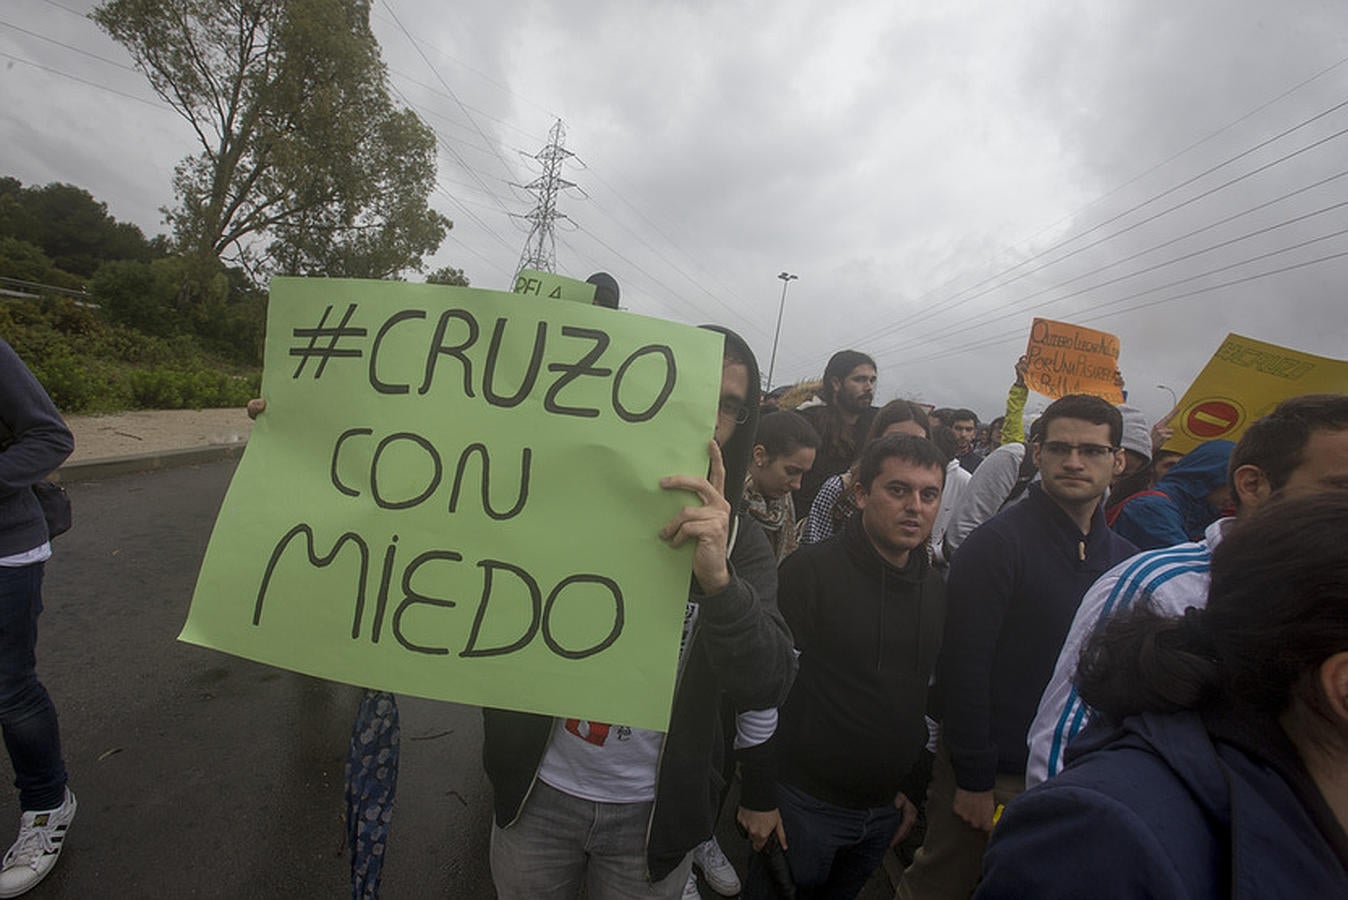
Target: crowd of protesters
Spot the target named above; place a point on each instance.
(978, 609)
(1040, 661)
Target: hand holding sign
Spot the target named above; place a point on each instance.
(708, 524)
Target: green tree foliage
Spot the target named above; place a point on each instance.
(306, 164)
(447, 275)
(70, 227)
(228, 318)
(24, 261)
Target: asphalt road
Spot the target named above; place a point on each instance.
(202, 775)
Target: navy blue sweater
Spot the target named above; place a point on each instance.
(35, 441)
(1014, 588)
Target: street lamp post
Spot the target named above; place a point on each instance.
(1174, 401)
(787, 278)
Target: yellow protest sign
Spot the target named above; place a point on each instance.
(1071, 359)
(456, 495)
(1244, 380)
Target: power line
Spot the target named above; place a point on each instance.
(1021, 334)
(647, 219)
(71, 47)
(1177, 154)
(480, 112)
(448, 147)
(485, 77)
(436, 72)
(656, 282)
(667, 261)
(953, 302)
(159, 105)
(1077, 316)
(993, 316)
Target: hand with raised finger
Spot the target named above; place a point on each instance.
(707, 524)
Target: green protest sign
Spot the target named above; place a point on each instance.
(454, 493)
(551, 286)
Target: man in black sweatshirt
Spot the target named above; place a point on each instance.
(1014, 588)
(866, 610)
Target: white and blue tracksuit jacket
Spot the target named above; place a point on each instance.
(1172, 579)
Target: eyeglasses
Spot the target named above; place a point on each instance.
(733, 408)
(1062, 449)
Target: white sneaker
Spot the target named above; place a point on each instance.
(718, 871)
(690, 891)
(41, 835)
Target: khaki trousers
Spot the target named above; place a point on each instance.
(950, 861)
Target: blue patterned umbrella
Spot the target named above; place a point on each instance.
(371, 784)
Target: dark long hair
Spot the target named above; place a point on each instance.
(840, 365)
(1277, 609)
(785, 432)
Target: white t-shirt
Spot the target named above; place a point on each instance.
(607, 763)
(27, 557)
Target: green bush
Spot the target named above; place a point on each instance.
(82, 385)
(89, 365)
(199, 389)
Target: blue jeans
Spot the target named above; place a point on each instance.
(26, 712)
(832, 850)
(560, 842)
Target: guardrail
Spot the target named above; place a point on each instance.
(44, 288)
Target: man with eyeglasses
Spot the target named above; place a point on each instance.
(1298, 449)
(1012, 592)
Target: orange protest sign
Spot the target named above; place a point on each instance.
(1070, 359)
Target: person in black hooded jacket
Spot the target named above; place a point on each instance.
(614, 810)
(867, 610)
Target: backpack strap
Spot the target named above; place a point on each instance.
(1024, 475)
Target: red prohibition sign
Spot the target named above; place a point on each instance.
(1212, 418)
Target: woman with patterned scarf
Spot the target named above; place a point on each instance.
(784, 450)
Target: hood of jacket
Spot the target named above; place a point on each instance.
(868, 559)
(891, 581)
(1248, 780)
(739, 449)
(1198, 473)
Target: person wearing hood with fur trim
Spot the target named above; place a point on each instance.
(613, 811)
(1192, 495)
(1216, 768)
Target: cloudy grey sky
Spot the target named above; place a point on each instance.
(935, 173)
